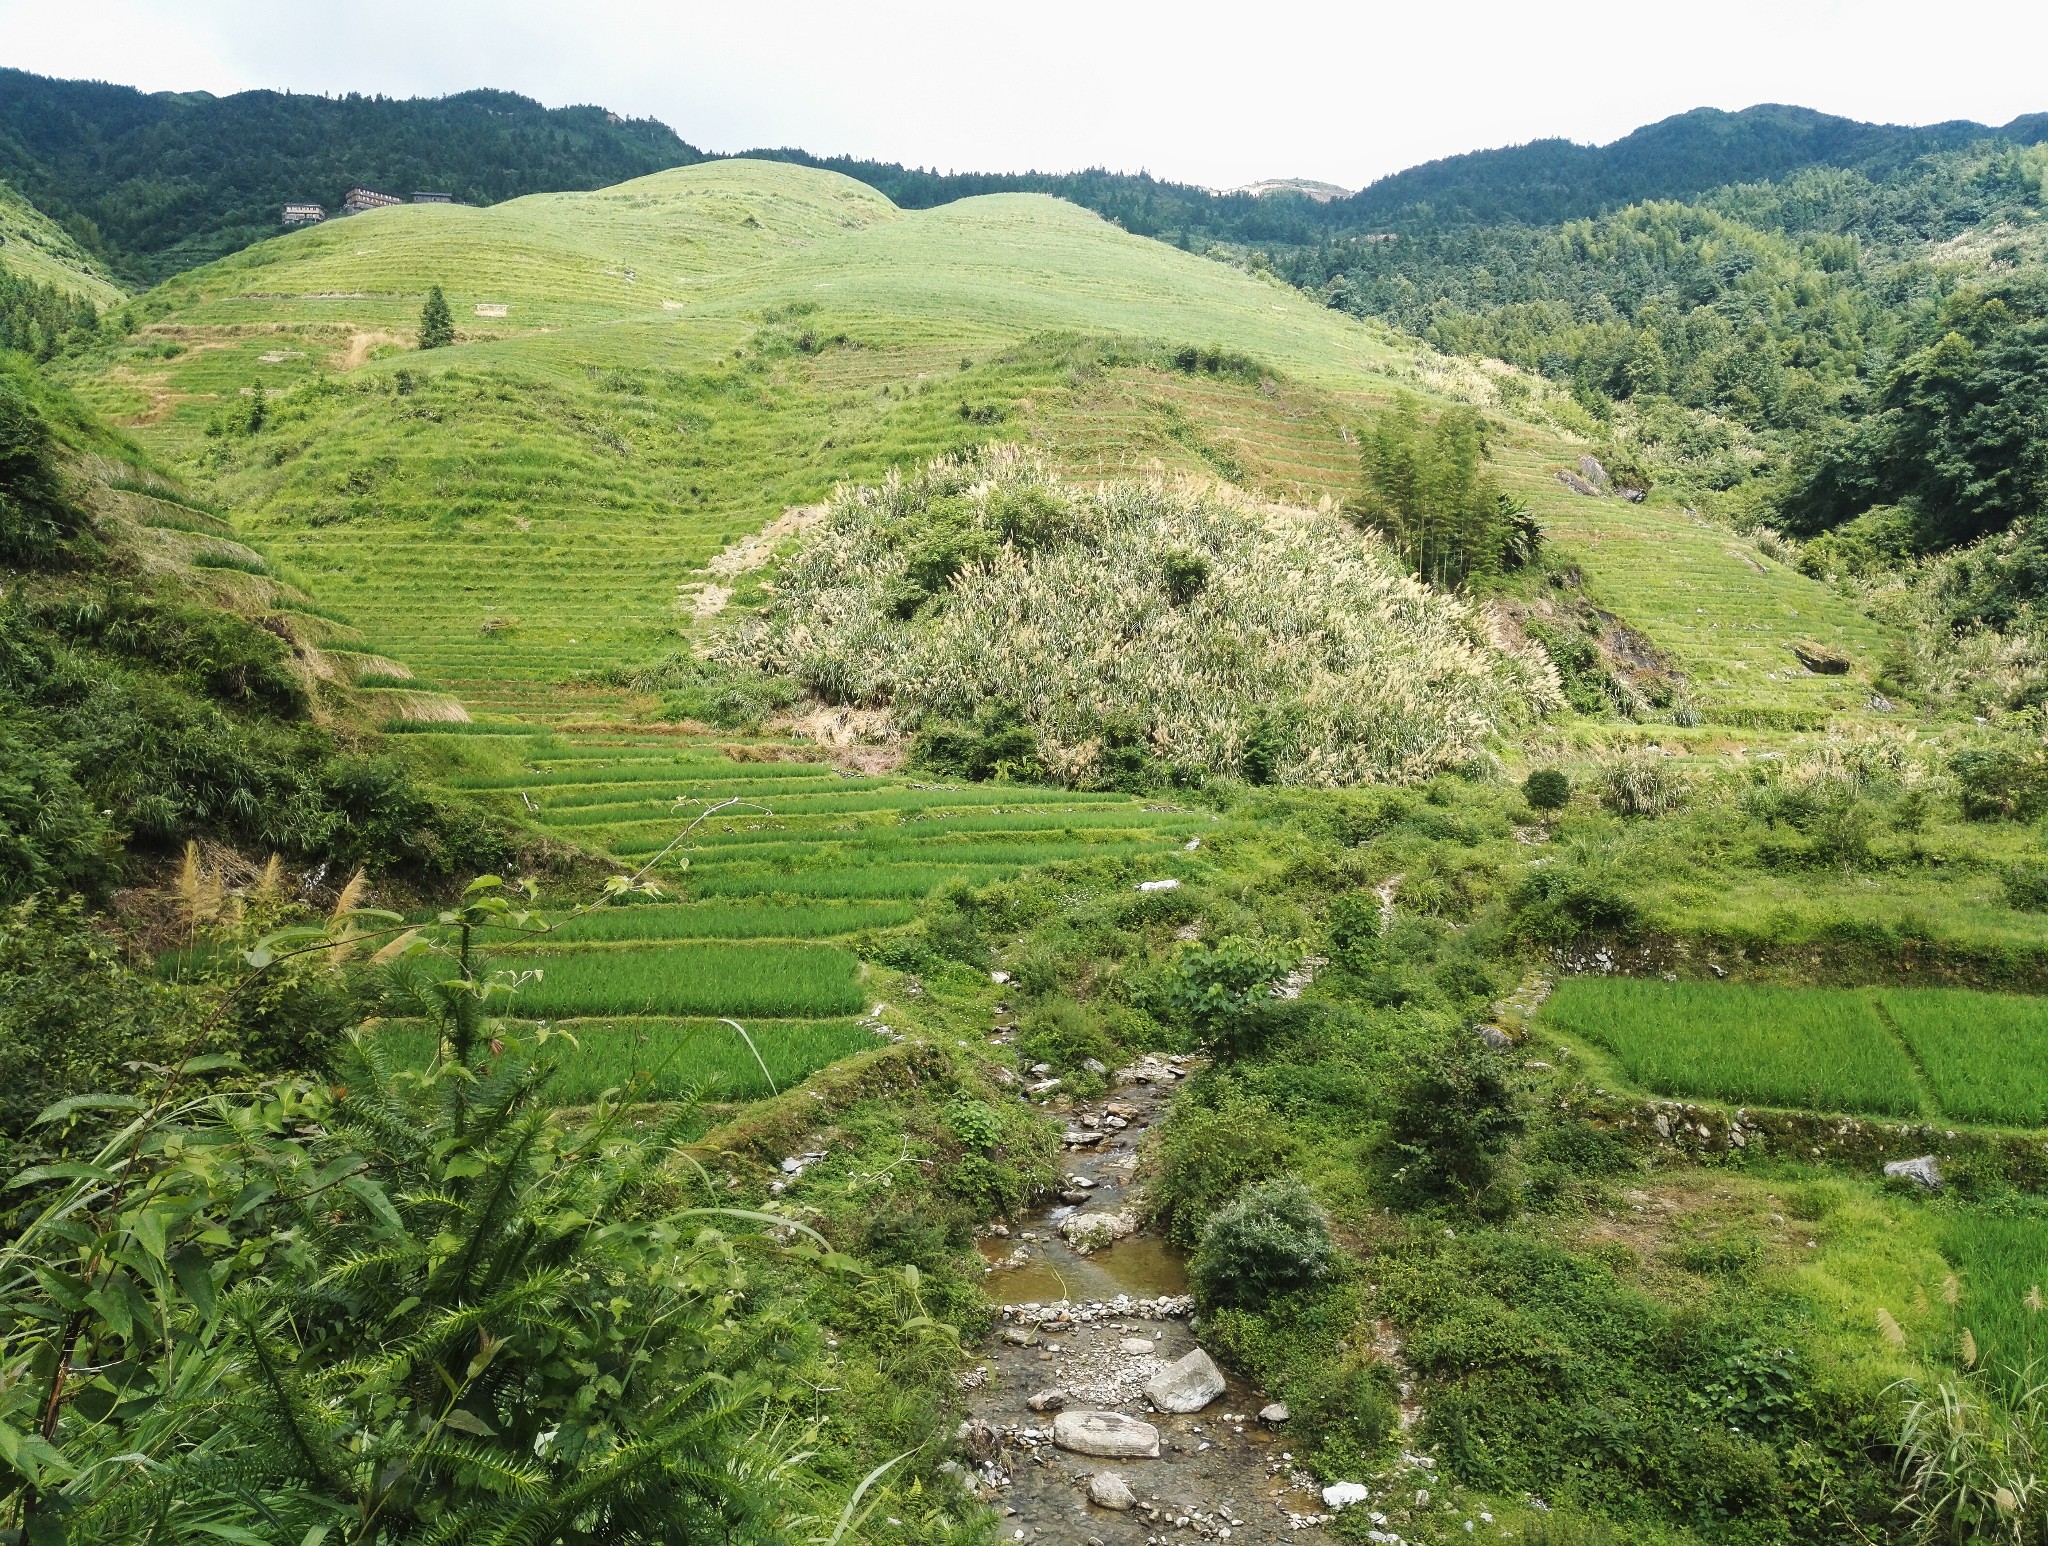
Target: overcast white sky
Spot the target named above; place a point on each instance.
(1214, 94)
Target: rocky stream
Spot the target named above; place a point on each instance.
(1096, 1416)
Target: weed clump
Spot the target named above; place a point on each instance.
(1145, 632)
(1273, 1240)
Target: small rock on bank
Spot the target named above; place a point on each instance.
(1924, 1171)
(1341, 1495)
(1106, 1435)
(1106, 1489)
(1186, 1385)
(1047, 1400)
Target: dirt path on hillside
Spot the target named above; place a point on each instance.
(1085, 1330)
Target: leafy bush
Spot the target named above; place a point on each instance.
(1222, 993)
(1274, 1239)
(1209, 1154)
(1065, 1034)
(996, 743)
(36, 517)
(2026, 887)
(2002, 783)
(984, 580)
(51, 837)
(1452, 1122)
(1562, 902)
(1547, 789)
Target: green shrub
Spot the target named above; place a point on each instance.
(1209, 1154)
(1451, 1124)
(2026, 887)
(1223, 993)
(1563, 902)
(51, 836)
(1065, 1034)
(36, 519)
(996, 743)
(1547, 789)
(976, 1123)
(2002, 783)
(1272, 1240)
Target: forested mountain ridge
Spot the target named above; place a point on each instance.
(159, 183)
(1546, 181)
(154, 184)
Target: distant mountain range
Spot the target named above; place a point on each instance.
(153, 184)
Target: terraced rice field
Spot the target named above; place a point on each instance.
(1951, 1052)
(1986, 1054)
(1813, 1047)
(661, 1058)
(2002, 1262)
(786, 863)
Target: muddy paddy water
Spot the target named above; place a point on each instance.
(1094, 1419)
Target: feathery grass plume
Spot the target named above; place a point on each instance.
(347, 902)
(200, 892)
(983, 579)
(1888, 1327)
(1640, 781)
(269, 882)
(1951, 1291)
(1969, 1348)
(351, 896)
(2034, 1301)
(395, 948)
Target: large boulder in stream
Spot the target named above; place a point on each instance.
(1186, 1385)
(1107, 1435)
(1087, 1232)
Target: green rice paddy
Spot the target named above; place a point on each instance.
(1955, 1053)
(1986, 1054)
(1814, 1047)
(665, 1059)
(778, 981)
(2002, 1261)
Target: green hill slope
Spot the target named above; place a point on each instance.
(684, 357)
(34, 247)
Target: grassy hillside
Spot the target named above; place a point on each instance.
(34, 247)
(540, 500)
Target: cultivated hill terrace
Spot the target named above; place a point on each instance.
(652, 372)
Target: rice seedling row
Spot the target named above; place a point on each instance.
(704, 979)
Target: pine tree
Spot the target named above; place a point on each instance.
(437, 327)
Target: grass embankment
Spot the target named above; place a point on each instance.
(1981, 1057)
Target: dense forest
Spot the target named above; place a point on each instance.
(159, 183)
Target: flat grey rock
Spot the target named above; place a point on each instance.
(1047, 1400)
(1924, 1171)
(1276, 1413)
(1106, 1435)
(1106, 1489)
(1187, 1385)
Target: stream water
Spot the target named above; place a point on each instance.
(1085, 1327)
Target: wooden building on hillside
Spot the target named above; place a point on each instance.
(360, 198)
(433, 198)
(304, 214)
